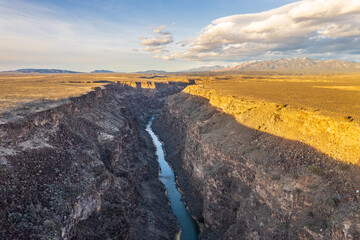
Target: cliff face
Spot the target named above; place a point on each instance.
(242, 183)
(85, 170)
(338, 138)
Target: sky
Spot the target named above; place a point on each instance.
(136, 35)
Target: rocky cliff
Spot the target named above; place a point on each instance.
(243, 183)
(85, 169)
(337, 137)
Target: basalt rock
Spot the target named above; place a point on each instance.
(242, 183)
(85, 169)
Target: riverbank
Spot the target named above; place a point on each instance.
(167, 177)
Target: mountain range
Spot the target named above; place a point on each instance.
(33, 70)
(102, 71)
(153, 72)
(297, 66)
(282, 66)
(205, 69)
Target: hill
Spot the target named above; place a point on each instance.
(102, 71)
(155, 72)
(34, 70)
(205, 69)
(298, 66)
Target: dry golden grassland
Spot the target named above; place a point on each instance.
(17, 89)
(331, 94)
(322, 111)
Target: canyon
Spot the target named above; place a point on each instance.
(87, 169)
(242, 183)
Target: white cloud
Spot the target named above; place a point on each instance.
(157, 44)
(160, 30)
(156, 49)
(168, 57)
(157, 41)
(308, 26)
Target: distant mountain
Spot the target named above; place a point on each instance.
(205, 69)
(297, 66)
(33, 70)
(154, 72)
(102, 71)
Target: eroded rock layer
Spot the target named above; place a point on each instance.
(335, 136)
(241, 183)
(85, 170)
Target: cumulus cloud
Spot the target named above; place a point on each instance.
(157, 41)
(160, 30)
(156, 49)
(157, 44)
(308, 26)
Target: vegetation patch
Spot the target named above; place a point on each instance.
(282, 106)
(349, 118)
(275, 177)
(316, 170)
(333, 201)
(344, 167)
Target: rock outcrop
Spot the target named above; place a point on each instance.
(242, 183)
(85, 169)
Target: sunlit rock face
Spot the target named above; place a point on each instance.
(334, 136)
(242, 183)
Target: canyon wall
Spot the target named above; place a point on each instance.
(85, 169)
(243, 183)
(338, 137)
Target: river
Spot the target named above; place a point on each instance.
(167, 177)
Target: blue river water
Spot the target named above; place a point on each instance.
(167, 177)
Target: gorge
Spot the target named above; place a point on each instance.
(87, 169)
(167, 177)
